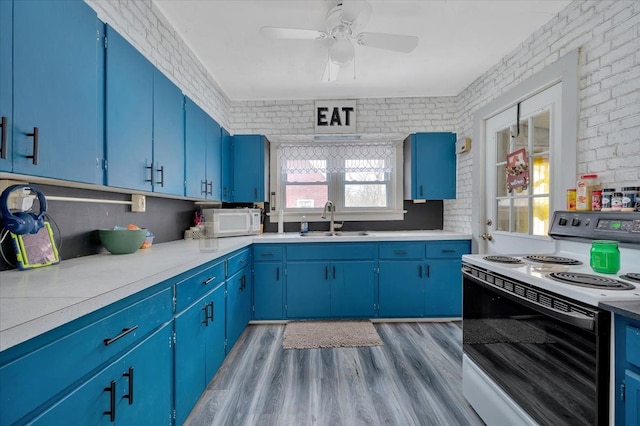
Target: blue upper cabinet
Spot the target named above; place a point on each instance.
(195, 134)
(6, 69)
(56, 68)
(129, 115)
(250, 166)
(430, 166)
(213, 159)
(168, 136)
(227, 166)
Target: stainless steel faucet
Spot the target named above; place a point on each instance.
(331, 208)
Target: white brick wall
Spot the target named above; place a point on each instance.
(606, 31)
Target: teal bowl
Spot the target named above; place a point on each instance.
(122, 241)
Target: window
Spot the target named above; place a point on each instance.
(358, 177)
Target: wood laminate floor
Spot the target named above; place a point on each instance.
(414, 379)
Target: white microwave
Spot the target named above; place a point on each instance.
(231, 222)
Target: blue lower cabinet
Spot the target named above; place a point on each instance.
(632, 398)
(353, 289)
(308, 290)
(134, 389)
(627, 371)
(199, 348)
(402, 289)
(443, 289)
(268, 291)
(238, 304)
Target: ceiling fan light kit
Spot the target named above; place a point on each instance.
(343, 22)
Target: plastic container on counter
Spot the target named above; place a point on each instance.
(571, 199)
(584, 191)
(607, 194)
(630, 198)
(616, 202)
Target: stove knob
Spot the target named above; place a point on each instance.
(575, 221)
(562, 221)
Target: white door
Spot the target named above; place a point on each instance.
(517, 219)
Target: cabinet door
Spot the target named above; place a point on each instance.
(168, 136)
(267, 290)
(632, 398)
(434, 165)
(129, 114)
(443, 289)
(195, 133)
(56, 69)
(308, 290)
(227, 165)
(249, 168)
(190, 356)
(214, 160)
(6, 87)
(145, 373)
(238, 305)
(214, 333)
(402, 288)
(353, 289)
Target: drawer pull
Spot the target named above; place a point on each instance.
(401, 252)
(420, 271)
(3, 141)
(428, 270)
(125, 331)
(112, 401)
(35, 135)
(278, 273)
(207, 316)
(203, 184)
(208, 280)
(243, 260)
(448, 251)
(334, 272)
(160, 171)
(129, 396)
(150, 168)
(266, 254)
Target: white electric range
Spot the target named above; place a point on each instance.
(536, 347)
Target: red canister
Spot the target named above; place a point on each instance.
(596, 200)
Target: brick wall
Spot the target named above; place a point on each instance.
(607, 32)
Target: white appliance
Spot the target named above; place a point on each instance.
(536, 350)
(231, 222)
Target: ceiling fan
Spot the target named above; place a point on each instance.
(343, 25)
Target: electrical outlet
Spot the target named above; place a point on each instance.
(138, 203)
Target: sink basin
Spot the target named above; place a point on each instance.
(335, 234)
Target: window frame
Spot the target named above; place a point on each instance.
(336, 187)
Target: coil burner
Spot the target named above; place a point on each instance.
(591, 281)
(503, 259)
(557, 260)
(631, 276)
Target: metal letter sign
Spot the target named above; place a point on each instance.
(335, 117)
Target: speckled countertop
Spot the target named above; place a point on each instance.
(36, 301)
(629, 308)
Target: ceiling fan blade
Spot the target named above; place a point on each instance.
(292, 33)
(396, 42)
(331, 71)
(353, 11)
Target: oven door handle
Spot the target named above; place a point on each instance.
(574, 318)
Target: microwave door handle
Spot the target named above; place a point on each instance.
(574, 318)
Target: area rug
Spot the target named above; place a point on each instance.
(329, 334)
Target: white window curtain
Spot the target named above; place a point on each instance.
(378, 157)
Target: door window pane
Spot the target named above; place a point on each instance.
(521, 215)
(503, 214)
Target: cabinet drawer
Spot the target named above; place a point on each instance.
(267, 253)
(190, 289)
(398, 251)
(447, 249)
(238, 261)
(41, 374)
(341, 251)
(633, 345)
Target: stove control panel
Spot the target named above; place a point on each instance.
(619, 226)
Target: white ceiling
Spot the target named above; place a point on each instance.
(459, 40)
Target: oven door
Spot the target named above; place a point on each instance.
(553, 364)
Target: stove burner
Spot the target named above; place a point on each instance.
(631, 276)
(503, 259)
(591, 281)
(558, 260)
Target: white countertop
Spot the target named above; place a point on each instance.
(36, 301)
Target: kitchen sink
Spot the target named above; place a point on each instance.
(336, 234)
